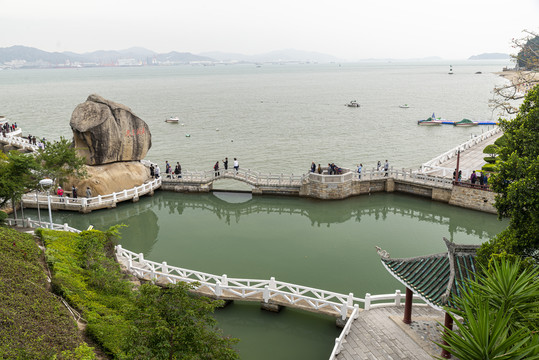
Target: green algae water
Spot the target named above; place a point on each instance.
(322, 244)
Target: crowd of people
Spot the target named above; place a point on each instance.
(333, 169)
(7, 128)
(475, 178)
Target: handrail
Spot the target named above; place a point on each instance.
(339, 342)
(95, 202)
(440, 159)
(12, 139)
(29, 223)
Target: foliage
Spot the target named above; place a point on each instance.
(517, 183)
(525, 77)
(490, 159)
(33, 323)
(59, 160)
(489, 167)
(86, 274)
(500, 315)
(17, 175)
(528, 56)
(3, 217)
(172, 324)
(491, 149)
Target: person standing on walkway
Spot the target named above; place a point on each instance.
(473, 178)
(359, 168)
(60, 193)
(386, 168)
(74, 192)
(313, 167)
(225, 163)
(88, 193)
(178, 170)
(378, 165)
(152, 171)
(216, 168)
(319, 169)
(157, 171)
(236, 165)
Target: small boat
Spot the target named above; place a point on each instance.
(431, 121)
(466, 122)
(405, 106)
(352, 103)
(450, 70)
(172, 119)
(187, 135)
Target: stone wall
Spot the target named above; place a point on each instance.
(473, 199)
(414, 189)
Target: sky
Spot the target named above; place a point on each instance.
(347, 29)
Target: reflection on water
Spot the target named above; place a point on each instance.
(322, 244)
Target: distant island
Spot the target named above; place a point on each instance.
(490, 56)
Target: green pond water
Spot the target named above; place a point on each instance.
(328, 245)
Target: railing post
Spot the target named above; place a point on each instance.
(125, 192)
(367, 301)
(344, 311)
(164, 266)
(141, 258)
(350, 300)
(83, 202)
(397, 298)
(265, 294)
(224, 280)
(272, 283)
(99, 199)
(65, 226)
(218, 290)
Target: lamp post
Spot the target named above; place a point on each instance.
(47, 183)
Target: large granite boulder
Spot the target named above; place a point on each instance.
(105, 132)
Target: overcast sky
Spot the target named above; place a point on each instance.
(347, 29)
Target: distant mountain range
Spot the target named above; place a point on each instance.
(28, 57)
(490, 56)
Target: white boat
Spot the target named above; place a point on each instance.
(405, 106)
(450, 70)
(352, 103)
(172, 119)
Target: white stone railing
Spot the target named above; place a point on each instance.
(324, 178)
(248, 176)
(12, 139)
(434, 164)
(339, 342)
(29, 223)
(96, 202)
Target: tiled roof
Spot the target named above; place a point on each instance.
(435, 278)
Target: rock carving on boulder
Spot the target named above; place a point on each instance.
(105, 132)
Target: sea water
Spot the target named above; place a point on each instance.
(277, 118)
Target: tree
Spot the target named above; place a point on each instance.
(59, 160)
(171, 323)
(499, 315)
(17, 176)
(517, 184)
(525, 77)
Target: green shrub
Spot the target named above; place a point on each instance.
(489, 167)
(3, 217)
(490, 159)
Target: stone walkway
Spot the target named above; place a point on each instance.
(471, 159)
(381, 334)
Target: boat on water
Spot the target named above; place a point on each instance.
(450, 70)
(353, 103)
(405, 106)
(466, 122)
(431, 121)
(172, 119)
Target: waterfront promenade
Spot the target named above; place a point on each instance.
(471, 156)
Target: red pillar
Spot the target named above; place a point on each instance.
(448, 323)
(456, 179)
(408, 307)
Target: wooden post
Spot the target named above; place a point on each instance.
(408, 307)
(448, 323)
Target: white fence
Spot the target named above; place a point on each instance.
(29, 223)
(92, 203)
(434, 164)
(13, 139)
(248, 176)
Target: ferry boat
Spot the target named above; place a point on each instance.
(353, 103)
(466, 122)
(172, 119)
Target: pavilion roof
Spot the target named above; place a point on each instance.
(435, 278)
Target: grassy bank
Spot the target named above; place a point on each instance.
(34, 324)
